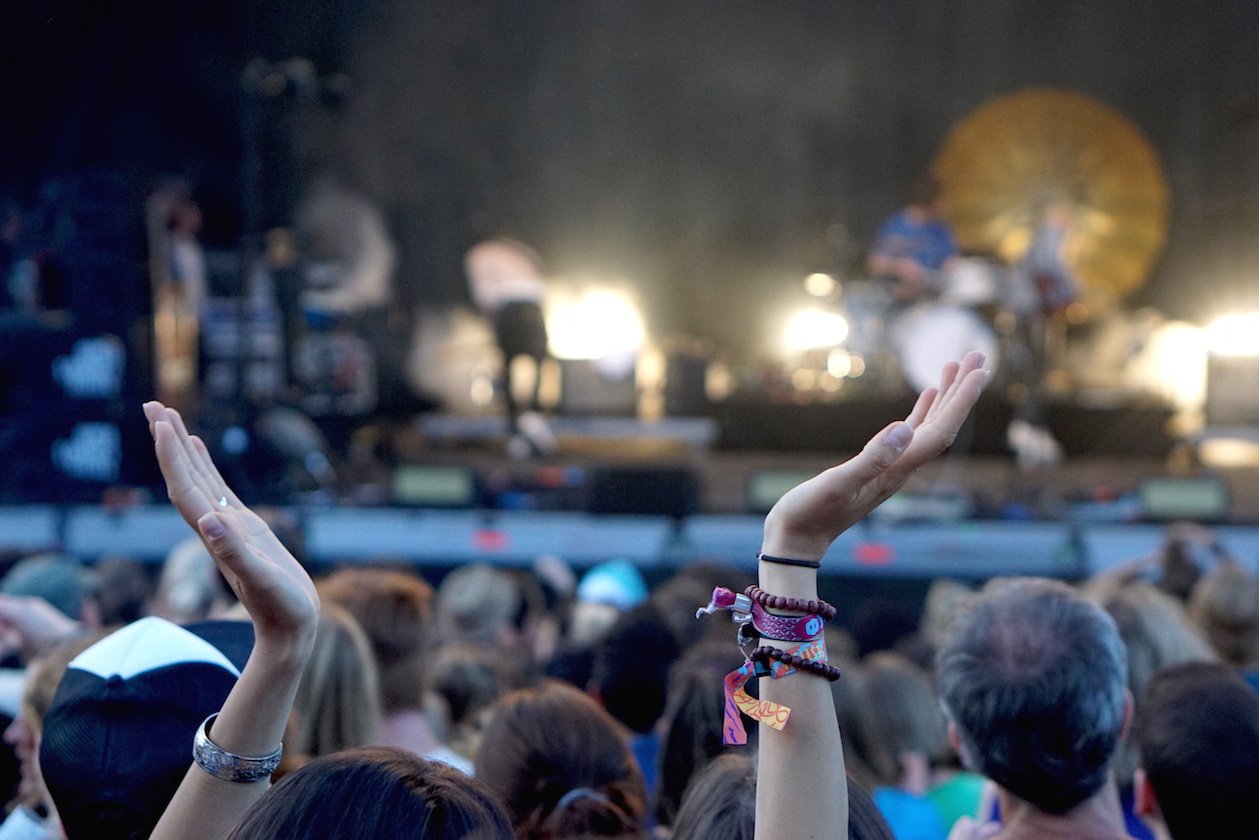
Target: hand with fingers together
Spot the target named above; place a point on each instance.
(808, 518)
(281, 600)
(277, 592)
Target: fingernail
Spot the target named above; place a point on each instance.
(212, 526)
(900, 435)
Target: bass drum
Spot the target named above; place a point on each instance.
(930, 335)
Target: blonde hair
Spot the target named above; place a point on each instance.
(1156, 633)
(1225, 604)
(338, 700)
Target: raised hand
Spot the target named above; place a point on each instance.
(30, 625)
(270, 583)
(811, 515)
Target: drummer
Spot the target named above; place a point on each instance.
(914, 247)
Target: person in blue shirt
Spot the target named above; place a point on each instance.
(914, 245)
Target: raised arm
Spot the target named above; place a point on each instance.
(281, 601)
(801, 792)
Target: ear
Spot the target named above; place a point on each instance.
(955, 741)
(1144, 800)
(1129, 710)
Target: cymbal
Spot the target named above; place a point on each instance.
(1004, 163)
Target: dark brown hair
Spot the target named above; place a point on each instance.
(375, 792)
(562, 765)
(695, 715)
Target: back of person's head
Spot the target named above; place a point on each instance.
(468, 678)
(562, 765)
(865, 821)
(57, 578)
(677, 598)
(375, 792)
(848, 695)
(944, 596)
(1156, 633)
(190, 586)
(1034, 679)
(720, 802)
(117, 738)
(899, 717)
(394, 609)
(338, 700)
(631, 668)
(1225, 604)
(694, 717)
(1198, 732)
(124, 591)
(478, 603)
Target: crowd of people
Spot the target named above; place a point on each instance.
(546, 705)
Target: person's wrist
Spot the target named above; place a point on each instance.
(283, 652)
(781, 539)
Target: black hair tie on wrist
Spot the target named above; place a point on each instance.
(788, 561)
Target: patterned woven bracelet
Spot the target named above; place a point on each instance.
(798, 605)
(786, 628)
(763, 654)
(229, 766)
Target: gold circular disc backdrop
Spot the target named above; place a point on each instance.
(1019, 153)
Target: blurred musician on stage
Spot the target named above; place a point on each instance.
(345, 348)
(1044, 286)
(506, 283)
(351, 255)
(178, 274)
(913, 246)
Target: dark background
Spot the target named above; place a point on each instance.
(700, 150)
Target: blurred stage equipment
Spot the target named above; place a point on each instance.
(662, 491)
(1233, 371)
(71, 374)
(433, 486)
(1018, 153)
(1200, 498)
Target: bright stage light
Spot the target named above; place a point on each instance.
(815, 328)
(594, 325)
(1234, 335)
(1174, 365)
(819, 284)
(839, 363)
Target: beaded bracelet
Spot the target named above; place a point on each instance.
(779, 602)
(817, 666)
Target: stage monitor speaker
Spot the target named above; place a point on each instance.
(586, 391)
(1233, 391)
(1201, 499)
(661, 491)
(435, 486)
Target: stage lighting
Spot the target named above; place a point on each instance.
(594, 325)
(1234, 336)
(820, 285)
(812, 329)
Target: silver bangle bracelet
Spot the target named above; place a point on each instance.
(228, 766)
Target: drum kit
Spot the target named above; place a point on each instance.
(960, 314)
(999, 170)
